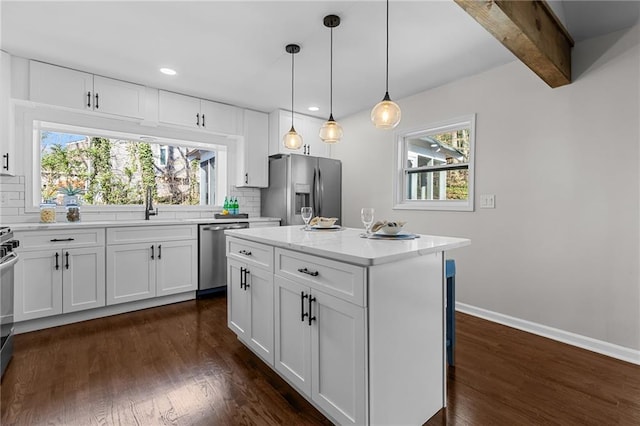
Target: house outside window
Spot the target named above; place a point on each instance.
(435, 166)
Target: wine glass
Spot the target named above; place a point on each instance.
(306, 213)
(366, 214)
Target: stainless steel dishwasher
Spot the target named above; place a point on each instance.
(212, 256)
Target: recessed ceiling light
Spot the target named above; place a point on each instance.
(168, 71)
(313, 108)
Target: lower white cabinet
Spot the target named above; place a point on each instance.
(320, 348)
(152, 267)
(59, 272)
(250, 306)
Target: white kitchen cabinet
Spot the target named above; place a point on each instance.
(308, 127)
(187, 111)
(253, 151)
(50, 84)
(7, 143)
(320, 348)
(250, 295)
(250, 311)
(59, 272)
(150, 261)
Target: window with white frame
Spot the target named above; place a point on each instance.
(105, 168)
(435, 166)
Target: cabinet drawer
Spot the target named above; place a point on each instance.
(151, 233)
(338, 279)
(39, 240)
(256, 254)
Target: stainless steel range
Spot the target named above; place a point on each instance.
(8, 259)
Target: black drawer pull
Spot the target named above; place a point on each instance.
(152, 253)
(58, 240)
(159, 251)
(198, 119)
(308, 272)
(246, 253)
(97, 101)
(6, 161)
(89, 99)
(203, 121)
(66, 265)
(57, 264)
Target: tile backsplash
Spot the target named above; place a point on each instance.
(12, 206)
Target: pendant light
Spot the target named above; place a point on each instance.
(386, 114)
(292, 140)
(331, 131)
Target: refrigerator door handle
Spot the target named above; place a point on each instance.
(315, 206)
(320, 192)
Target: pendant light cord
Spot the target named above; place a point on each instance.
(292, 77)
(387, 46)
(331, 79)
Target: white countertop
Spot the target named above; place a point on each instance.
(346, 245)
(37, 226)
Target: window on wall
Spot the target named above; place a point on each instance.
(103, 168)
(435, 166)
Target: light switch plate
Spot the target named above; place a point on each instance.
(4, 199)
(487, 201)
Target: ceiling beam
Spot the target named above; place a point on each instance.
(531, 31)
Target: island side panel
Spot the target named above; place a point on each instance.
(406, 340)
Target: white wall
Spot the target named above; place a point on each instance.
(561, 248)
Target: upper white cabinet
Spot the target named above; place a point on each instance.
(187, 111)
(307, 127)
(69, 88)
(6, 139)
(253, 151)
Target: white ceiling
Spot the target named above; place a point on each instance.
(233, 51)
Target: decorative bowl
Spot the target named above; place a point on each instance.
(326, 222)
(392, 228)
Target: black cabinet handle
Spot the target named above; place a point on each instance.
(57, 240)
(159, 251)
(246, 253)
(6, 161)
(57, 264)
(246, 178)
(302, 313)
(152, 253)
(246, 284)
(311, 300)
(198, 119)
(308, 272)
(97, 103)
(203, 121)
(66, 265)
(242, 278)
(89, 99)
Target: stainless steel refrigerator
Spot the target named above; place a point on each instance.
(297, 181)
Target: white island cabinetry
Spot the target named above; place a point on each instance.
(359, 323)
(250, 295)
(150, 261)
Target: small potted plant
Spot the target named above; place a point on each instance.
(71, 190)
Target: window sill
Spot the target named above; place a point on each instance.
(450, 205)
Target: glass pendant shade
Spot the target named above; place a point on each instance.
(292, 140)
(386, 114)
(331, 131)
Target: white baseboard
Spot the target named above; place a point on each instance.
(605, 348)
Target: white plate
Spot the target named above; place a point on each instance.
(325, 228)
(400, 236)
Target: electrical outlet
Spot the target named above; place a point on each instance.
(487, 201)
(4, 198)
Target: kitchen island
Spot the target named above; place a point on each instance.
(356, 325)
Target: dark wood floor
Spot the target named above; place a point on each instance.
(181, 365)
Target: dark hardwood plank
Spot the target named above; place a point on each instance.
(181, 365)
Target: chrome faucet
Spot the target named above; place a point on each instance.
(148, 205)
